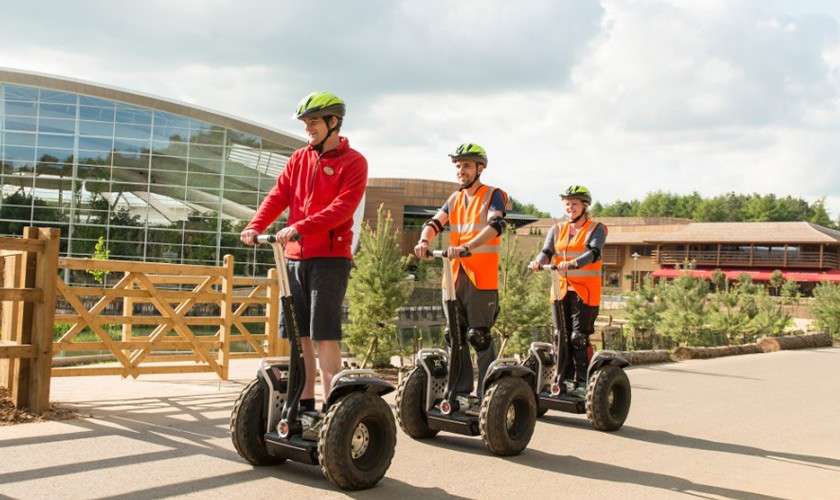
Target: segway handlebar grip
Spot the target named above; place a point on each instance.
(442, 254)
(549, 267)
(272, 238)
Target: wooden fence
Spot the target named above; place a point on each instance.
(154, 318)
(197, 314)
(28, 298)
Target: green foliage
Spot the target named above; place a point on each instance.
(790, 292)
(643, 310)
(100, 252)
(684, 310)
(826, 308)
(376, 290)
(728, 207)
(777, 280)
(523, 299)
(718, 280)
(744, 313)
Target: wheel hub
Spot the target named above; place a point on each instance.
(510, 417)
(360, 442)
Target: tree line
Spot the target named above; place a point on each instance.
(730, 207)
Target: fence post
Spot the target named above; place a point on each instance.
(23, 368)
(10, 316)
(227, 317)
(42, 321)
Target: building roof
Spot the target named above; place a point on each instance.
(748, 232)
(54, 82)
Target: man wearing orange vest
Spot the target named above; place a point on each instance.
(575, 246)
(475, 215)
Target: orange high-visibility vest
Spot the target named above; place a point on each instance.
(586, 280)
(466, 220)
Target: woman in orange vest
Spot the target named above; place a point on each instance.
(575, 246)
(475, 215)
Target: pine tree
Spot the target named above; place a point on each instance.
(826, 308)
(643, 309)
(684, 310)
(523, 299)
(376, 290)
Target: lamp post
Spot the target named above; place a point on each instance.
(635, 256)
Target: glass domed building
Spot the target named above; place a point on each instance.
(156, 180)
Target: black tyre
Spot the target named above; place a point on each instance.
(411, 403)
(248, 422)
(508, 416)
(357, 441)
(608, 398)
(531, 364)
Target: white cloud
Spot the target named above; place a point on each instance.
(627, 96)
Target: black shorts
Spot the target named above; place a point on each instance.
(318, 287)
(476, 308)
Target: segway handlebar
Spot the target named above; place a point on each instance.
(272, 238)
(549, 267)
(442, 254)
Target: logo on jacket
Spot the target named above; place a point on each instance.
(329, 170)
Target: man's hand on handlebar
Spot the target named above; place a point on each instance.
(459, 251)
(287, 234)
(249, 237)
(422, 250)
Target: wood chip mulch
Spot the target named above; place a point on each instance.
(9, 415)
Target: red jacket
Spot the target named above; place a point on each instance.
(322, 193)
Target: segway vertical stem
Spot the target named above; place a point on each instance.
(297, 365)
(455, 338)
(559, 288)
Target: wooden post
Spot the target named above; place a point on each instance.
(227, 317)
(752, 253)
(42, 321)
(659, 254)
(785, 262)
(12, 275)
(23, 368)
(272, 314)
(822, 247)
(128, 311)
(718, 255)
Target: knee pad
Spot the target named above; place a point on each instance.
(447, 338)
(480, 338)
(579, 340)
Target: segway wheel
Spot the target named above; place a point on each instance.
(248, 422)
(411, 403)
(531, 364)
(608, 398)
(508, 416)
(357, 440)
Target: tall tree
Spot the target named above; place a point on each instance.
(376, 290)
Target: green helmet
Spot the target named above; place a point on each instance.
(579, 192)
(469, 152)
(319, 104)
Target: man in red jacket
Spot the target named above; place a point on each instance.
(321, 185)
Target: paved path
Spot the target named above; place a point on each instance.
(756, 426)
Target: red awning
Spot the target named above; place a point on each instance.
(732, 274)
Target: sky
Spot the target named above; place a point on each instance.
(624, 96)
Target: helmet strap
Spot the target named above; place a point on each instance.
(319, 148)
(583, 214)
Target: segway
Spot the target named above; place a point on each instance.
(352, 441)
(607, 400)
(427, 404)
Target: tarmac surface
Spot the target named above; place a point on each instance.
(754, 426)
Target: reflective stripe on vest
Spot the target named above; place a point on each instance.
(586, 281)
(467, 218)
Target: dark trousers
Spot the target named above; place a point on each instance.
(580, 318)
(476, 309)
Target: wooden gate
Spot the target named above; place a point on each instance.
(189, 318)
